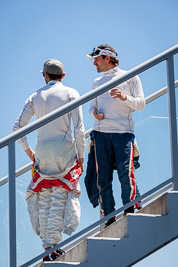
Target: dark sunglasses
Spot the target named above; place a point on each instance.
(96, 51)
(99, 49)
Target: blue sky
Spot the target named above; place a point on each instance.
(35, 31)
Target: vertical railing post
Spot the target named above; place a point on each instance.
(172, 120)
(12, 205)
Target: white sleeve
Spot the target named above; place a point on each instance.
(79, 130)
(93, 102)
(136, 101)
(23, 119)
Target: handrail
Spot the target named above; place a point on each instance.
(18, 172)
(148, 100)
(88, 96)
(159, 93)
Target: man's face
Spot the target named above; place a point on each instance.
(102, 64)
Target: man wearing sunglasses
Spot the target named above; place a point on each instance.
(114, 130)
(52, 196)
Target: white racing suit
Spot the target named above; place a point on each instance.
(54, 209)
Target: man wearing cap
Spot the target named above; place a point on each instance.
(114, 129)
(52, 196)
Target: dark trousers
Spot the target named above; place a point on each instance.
(118, 148)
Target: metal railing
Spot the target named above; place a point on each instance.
(10, 142)
(148, 100)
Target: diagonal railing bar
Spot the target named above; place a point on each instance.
(99, 222)
(88, 96)
(18, 172)
(157, 194)
(148, 100)
(159, 93)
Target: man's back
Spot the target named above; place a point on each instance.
(49, 98)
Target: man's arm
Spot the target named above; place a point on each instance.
(30, 153)
(136, 100)
(97, 115)
(79, 131)
(117, 93)
(93, 106)
(21, 121)
(81, 163)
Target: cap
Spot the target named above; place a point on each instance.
(105, 50)
(53, 66)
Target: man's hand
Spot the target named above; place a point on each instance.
(30, 153)
(117, 93)
(81, 163)
(98, 116)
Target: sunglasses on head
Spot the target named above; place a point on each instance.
(104, 51)
(96, 51)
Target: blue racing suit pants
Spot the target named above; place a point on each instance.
(118, 148)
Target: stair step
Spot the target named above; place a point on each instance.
(159, 206)
(119, 229)
(76, 254)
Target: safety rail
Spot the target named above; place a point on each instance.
(10, 142)
(148, 100)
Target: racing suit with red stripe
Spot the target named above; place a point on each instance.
(52, 204)
(114, 137)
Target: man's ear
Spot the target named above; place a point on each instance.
(63, 75)
(107, 59)
(46, 77)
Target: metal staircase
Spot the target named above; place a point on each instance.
(132, 237)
